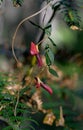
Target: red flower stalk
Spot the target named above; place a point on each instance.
(34, 51)
(39, 83)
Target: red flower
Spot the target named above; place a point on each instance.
(34, 51)
(39, 83)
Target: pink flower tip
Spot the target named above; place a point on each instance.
(47, 88)
(34, 49)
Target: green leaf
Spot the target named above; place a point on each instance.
(53, 72)
(49, 55)
(47, 59)
(53, 43)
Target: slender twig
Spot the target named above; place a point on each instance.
(15, 110)
(25, 19)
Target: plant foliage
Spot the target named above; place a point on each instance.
(24, 101)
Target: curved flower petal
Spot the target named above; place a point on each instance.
(46, 87)
(34, 49)
(39, 83)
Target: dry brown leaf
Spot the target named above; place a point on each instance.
(49, 118)
(73, 27)
(35, 102)
(61, 121)
(37, 97)
(12, 89)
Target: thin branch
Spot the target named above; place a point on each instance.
(15, 110)
(27, 18)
